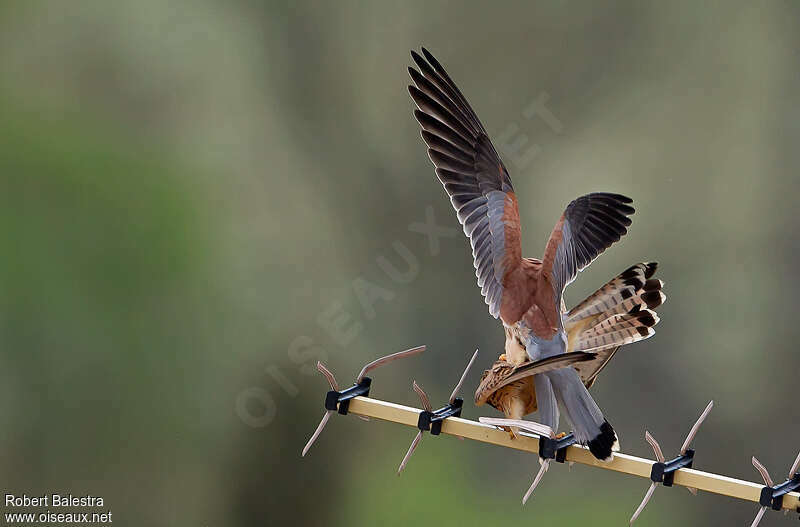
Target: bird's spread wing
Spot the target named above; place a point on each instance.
(473, 176)
(544, 365)
(589, 225)
(502, 373)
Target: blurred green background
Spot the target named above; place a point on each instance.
(194, 193)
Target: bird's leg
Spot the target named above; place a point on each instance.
(510, 429)
(515, 409)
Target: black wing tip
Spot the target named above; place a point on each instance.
(617, 202)
(616, 197)
(419, 60)
(602, 219)
(430, 57)
(420, 97)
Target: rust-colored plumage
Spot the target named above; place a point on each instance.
(624, 308)
(525, 293)
(515, 400)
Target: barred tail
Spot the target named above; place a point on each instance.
(620, 312)
(618, 330)
(634, 286)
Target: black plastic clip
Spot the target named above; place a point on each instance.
(341, 400)
(550, 446)
(433, 420)
(664, 473)
(555, 448)
(773, 496)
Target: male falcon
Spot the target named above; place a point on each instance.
(619, 313)
(525, 293)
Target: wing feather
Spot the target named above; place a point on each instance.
(502, 374)
(474, 177)
(589, 226)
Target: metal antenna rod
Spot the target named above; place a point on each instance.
(545, 466)
(388, 358)
(696, 427)
(661, 459)
(768, 482)
(530, 426)
(335, 386)
(763, 471)
(795, 466)
(426, 404)
(656, 447)
(463, 377)
(411, 449)
(649, 494)
(622, 463)
(317, 432)
(328, 375)
(423, 397)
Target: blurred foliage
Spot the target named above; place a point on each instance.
(195, 193)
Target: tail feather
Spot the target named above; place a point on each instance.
(618, 313)
(589, 425)
(620, 321)
(615, 338)
(649, 297)
(622, 293)
(604, 443)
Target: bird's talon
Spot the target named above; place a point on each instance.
(560, 435)
(510, 431)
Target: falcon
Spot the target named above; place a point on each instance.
(619, 313)
(525, 293)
